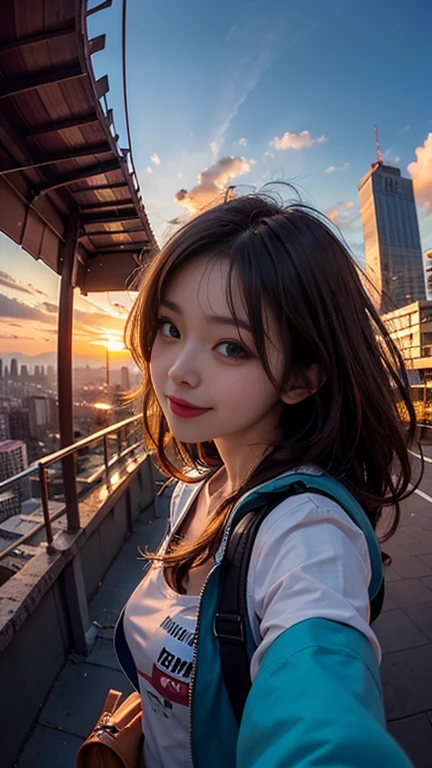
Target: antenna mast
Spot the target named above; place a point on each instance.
(379, 155)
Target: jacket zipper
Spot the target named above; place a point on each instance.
(220, 553)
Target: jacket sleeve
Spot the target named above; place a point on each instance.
(316, 702)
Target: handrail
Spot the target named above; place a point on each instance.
(44, 462)
(5, 484)
(93, 438)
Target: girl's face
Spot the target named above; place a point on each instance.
(199, 357)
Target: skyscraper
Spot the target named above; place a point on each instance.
(394, 259)
(428, 272)
(124, 373)
(14, 368)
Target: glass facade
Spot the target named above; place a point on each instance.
(393, 253)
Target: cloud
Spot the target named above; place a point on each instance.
(214, 148)
(155, 159)
(243, 142)
(268, 154)
(334, 168)
(295, 140)
(421, 172)
(149, 169)
(344, 214)
(50, 308)
(251, 49)
(10, 282)
(17, 309)
(212, 182)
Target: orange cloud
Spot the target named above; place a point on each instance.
(295, 140)
(343, 214)
(421, 172)
(212, 182)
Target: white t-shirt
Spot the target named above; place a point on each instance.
(309, 560)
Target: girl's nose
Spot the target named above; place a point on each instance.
(185, 369)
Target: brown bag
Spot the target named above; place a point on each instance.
(116, 741)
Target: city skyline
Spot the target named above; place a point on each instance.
(279, 97)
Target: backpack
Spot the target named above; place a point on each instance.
(231, 618)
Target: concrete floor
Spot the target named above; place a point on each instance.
(404, 630)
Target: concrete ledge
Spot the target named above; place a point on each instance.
(37, 617)
(22, 592)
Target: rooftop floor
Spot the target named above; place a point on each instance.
(404, 630)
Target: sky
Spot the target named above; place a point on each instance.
(244, 93)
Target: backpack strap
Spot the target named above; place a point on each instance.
(229, 622)
(231, 619)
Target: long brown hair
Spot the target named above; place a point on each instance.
(290, 259)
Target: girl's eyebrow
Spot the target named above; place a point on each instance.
(215, 319)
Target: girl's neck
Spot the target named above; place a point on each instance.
(228, 478)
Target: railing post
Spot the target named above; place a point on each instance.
(106, 459)
(45, 503)
(64, 372)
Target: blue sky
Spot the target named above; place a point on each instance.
(203, 73)
(246, 92)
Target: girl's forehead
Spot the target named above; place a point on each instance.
(204, 282)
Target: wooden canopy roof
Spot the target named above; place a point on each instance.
(58, 151)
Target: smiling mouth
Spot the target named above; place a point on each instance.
(186, 410)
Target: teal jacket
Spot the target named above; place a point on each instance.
(316, 700)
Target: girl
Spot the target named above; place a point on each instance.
(262, 356)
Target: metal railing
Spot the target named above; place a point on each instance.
(128, 438)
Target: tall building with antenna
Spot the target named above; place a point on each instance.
(394, 260)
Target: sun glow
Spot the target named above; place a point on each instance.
(111, 343)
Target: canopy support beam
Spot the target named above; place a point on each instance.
(64, 372)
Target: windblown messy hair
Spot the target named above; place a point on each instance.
(290, 259)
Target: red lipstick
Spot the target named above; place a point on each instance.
(184, 409)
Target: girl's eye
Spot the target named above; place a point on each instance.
(167, 328)
(233, 351)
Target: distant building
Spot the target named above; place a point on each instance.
(38, 411)
(42, 412)
(13, 459)
(124, 376)
(50, 371)
(10, 505)
(428, 272)
(411, 327)
(1, 369)
(19, 421)
(14, 368)
(37, 371)
(4, 426)
(391, 234)
(24, 372)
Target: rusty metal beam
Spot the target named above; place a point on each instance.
(105, 232)
(64, 370)
(136, 245)
(97, 187)
(56, 157)
(104, 218)
(30, 81)
(96, 44)
(78, 175)
(117, 252)
(62, 125)
(67, 28)
(100, 7)
(106, 204)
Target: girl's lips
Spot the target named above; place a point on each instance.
(186, 411)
